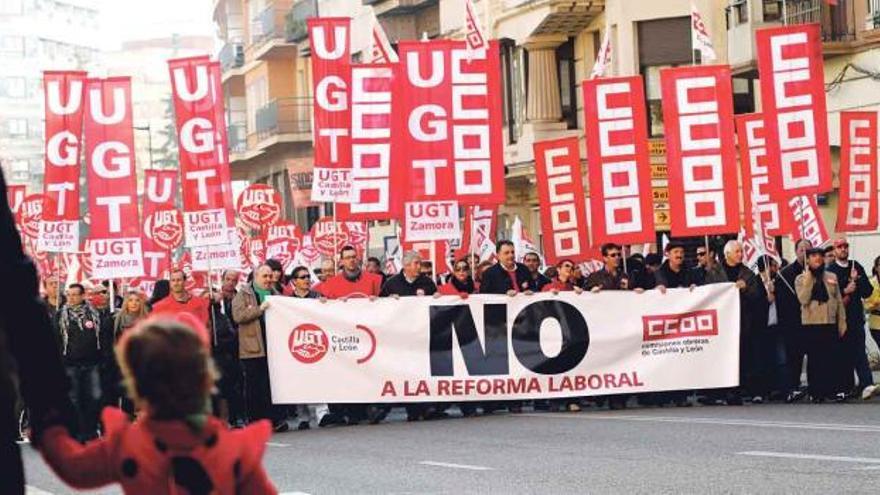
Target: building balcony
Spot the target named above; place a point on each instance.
(283, 120)
(231, 56)
(521, 19)
(268, 37)
(237, 136)
(295, 21)
(845, 28)
(399, 7)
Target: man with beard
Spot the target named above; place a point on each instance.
(84, 346)
(752, 300)
(507, 276)
(854, 286)
(351, 281)
(611, 276)
(537, 279)
(788, 310)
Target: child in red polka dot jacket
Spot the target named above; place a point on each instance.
(175, 446)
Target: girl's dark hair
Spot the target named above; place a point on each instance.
(166, 363)
(161, 290)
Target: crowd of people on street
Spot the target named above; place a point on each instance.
(813, 308)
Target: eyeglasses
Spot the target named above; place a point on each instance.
(303, 277)
(613, 255)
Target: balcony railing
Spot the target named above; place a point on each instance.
(231, 55)
(838, 22)
(284, 116)
(295, 25)
(268, 24)
(237, 136)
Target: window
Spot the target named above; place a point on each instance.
(12, 87)
(741, 7)
(16, 127)
(743, 96)
(567, 84)
(662, 43)
(514, 65)
(257, 95)
(772, 10)
(12, 46)
(11, 7)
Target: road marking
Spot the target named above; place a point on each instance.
(32, 490)
(455, 466)
(812, 457)
(276, 444)
(716, 421)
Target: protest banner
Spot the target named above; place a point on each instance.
(491, 347)
(857, 206)
(755, 171)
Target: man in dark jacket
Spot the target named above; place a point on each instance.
(611, 276)
(788, 309)
(410, 281)
(537, 279)
(507, 276)
(85, 345)
(854, 286)
(26, 339)
(752, 300)
(672, 274)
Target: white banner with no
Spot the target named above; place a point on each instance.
(491, 347)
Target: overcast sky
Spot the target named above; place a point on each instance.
(138, 19)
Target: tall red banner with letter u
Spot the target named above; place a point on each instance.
(795, 116)
(617, 157)
(758, 206)
(857, 207)
(701, 150)
(201, 152)
(109, 143)
(329, 39)
(561, 199)
(59, 229)
(448, 129)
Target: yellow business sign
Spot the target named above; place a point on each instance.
(658, 171)
(657, 147)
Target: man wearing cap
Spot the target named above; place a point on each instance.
(854, 286)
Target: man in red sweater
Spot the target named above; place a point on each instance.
(352, 281)
(182, 301)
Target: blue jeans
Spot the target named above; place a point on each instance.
(85, 393)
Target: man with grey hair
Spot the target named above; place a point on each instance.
(410, 281)
(752, 303)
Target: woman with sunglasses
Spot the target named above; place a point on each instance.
(461, 283)
(564, 279)
(300, 285)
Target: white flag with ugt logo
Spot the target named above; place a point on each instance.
(700, 39)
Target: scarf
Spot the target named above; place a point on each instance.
(80, 314)
(123, 321)
(819, 292)
(262, 293)
(467, 286)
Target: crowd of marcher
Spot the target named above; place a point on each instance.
(813, 308)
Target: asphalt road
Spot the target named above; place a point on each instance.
(771, 448)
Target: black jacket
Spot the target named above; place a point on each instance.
(538, 283)
(855, 310)
(606, 281)
(752, 300)
(399, 285)
(788, 308)
(497, 281)
(674, 280)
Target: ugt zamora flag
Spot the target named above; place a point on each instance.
(116, 248)
(496, 347)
